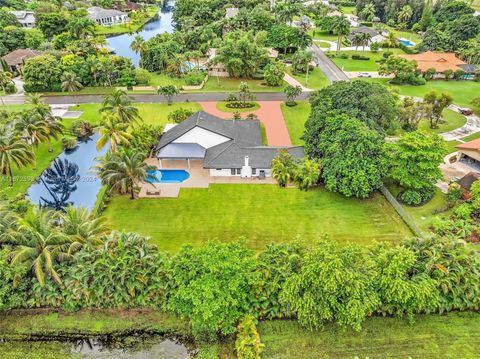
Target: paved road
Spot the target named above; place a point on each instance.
(151, 98)
(327, 66)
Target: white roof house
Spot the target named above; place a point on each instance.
(25, 18)
(231, 12)
(107, 17)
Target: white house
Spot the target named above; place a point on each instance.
(107, 17)
(25, 18)
(375, 36)
(225, 147)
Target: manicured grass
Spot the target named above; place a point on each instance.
(295, 118)
(128, 27)
(471, 137)
(463, 92)
(322, 35)
(260, 213)
(226, 84)
(455, 335)
(222, 106)
(361, 65)
(348, 9)
(322, 44)
(160, 79)
(151, 113)
(452, 121)
(316, 78)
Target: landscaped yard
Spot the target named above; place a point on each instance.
(316, 78)
(260, 213)
(456, 335)
(128, 27)
(295, 118)
(222, 106)
(227, 85)
(160, 79)
(360, 65)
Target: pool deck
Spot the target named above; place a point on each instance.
(199, 178)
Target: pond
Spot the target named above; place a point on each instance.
(69, 180)
(163, 22)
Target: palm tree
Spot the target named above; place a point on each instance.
(52, 124)
(39, 244)
(70, 82)
(120, 104)
(81, 27)
(340, 27)
(391, 40)
(8, 222)
(31, 127)
(83, 230)
(176, 65)
(365, 39)
(283, 167)
(114, 132)
(123, 170)
(405, 14)
(357, 40)
(307, 174)
(368, 12)
(168, 91)
(13, 152)
(139, 46)
(35, 99)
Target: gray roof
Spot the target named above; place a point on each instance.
(363, 30)
(467, 180)
(182, 150)
(97, 13)
(245, 140)
(19, 56)
(468, 68)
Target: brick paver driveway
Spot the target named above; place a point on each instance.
(269, 113)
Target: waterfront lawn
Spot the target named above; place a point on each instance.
(132, 26)
(260, 213)
(455, 335)
(361, 65)
(227, 85)
(295, 118)
(316, 78)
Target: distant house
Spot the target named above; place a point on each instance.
(225, 147)
(440, 61)
(16, 59)
(107, 17)
(375, 36)
(353, 20)
(469, 153)
(25, 18)
(131, 6)
(231, 12)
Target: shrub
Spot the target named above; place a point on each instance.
(248, 344)
(142, 76)
(82, 129)
(238, 104)
(413, 197)
(179, 115)
(375, 47)
(194, 78)
(69, 143)
(360, 57)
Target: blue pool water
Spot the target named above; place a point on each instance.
(407, 43)
(169, 176)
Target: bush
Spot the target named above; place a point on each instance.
(360, 57)
(248, 344)
(413, 197)
(239, 104)
(142, 76)
(179, 115)
(69, 143)
(82, 129)
(343, 56)
(194, 78)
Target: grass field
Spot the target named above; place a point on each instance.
(322, 35)
(295, 118)
(455, 335)
(159, 79)
(361, 65)
(260, 213)
(316, 78)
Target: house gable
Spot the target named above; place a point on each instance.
(203, 137)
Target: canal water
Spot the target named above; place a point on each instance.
(163, 22)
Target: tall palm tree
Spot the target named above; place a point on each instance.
(365, 39)
(139, 46)
(120, 104)
(70, 82)
(391, 40)
(114, 132)
(405, 14)
(357, 40)
(31, 127)
(83, 229)
(368, 12)
(13, 152)
(53, 124)
(124, 170)
(39, 245)
(340, 27)
(177, 65)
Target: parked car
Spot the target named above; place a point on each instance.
(364, 74)
(465, 111)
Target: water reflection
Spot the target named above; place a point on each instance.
(162, 23)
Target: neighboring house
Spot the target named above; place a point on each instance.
(16, 59)
(107, 17)
(441, 61)
(219, 69)
(231, 12)
(466, 181)
(353, 20)
(225, 147)
(25, 18)
(375, 36)
(469, 153)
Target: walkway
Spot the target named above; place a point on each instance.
(294, 82)
(472, 126)
(269, 113)
(327, 66)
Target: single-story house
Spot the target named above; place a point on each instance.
(17, 58)
(440, 61)
(231, 12)
(107, 17)
(225, 147)
(469, 153)
(375, 36)
(220, 70)
(25, 18)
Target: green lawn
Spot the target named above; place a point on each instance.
(361, 65)
(260, 213)
(227, 85)
(160, 79)
(453, 120)
(322, 44)
(456, 335)
(322, 35)
(471, 137)
(463, 92)
(316, 78)
(295, 118)
(128, 27)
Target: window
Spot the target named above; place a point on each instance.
(232, 171)
(218, 169)
(254, 171)
(239, 171)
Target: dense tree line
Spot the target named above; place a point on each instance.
(75, 262)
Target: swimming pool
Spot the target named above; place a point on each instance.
(169, 176)
(406, 42)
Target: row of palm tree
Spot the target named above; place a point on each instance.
(41, 238)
